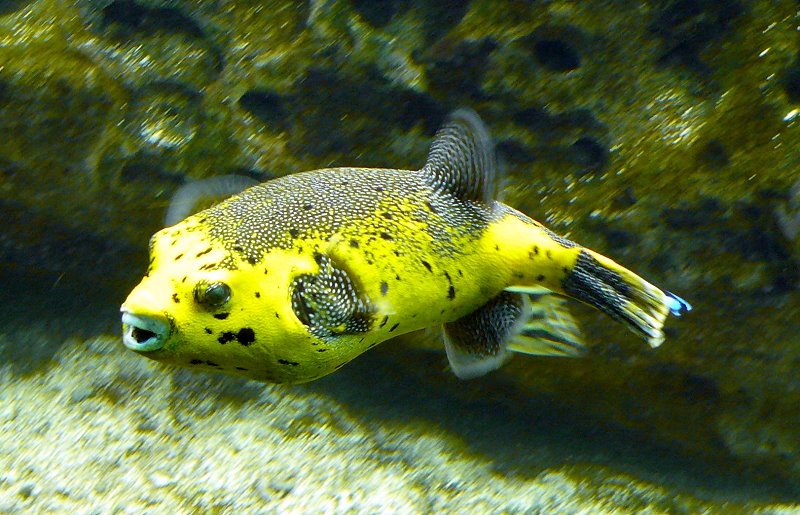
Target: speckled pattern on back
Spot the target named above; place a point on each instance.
(367, 204)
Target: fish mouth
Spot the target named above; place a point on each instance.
(143, 333)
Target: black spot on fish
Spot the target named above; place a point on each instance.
(549, 255)
(238, 248)
(184, 279)
(318, 258)
(287, 362)
(393, 327)
(175, 298)
(451, 292)
(397, 277)
(293, 233)
(384, 288)
(308, 207)
(211, 364)
(447, 276)
(427, 265)
(497, 248)
(266, 271)
(354, 244)
(397, 253)
(371, 345)
(221, 316)
(203, 252)
(387, 215)
(322, 350)
(196, 362)
(519, 275)
(430, 207)
(383, 322)
(226, 337)
(379, 189)
(246, 336)
(386, 236)
(240, 368)
(208, 330)
(258, 295)
(178, 256)
(277, 315)
(540, 278)
(251, 260)
(209, 266)
(460, 273)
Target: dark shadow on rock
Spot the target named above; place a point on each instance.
(527, 436)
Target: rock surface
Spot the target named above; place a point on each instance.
(662, 133)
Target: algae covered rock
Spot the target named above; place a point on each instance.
(661, 133)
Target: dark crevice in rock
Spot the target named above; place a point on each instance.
(589, 154)
(128, 16)
(791, 82)
(452, 68)
(515, 151)
(541, 121)
(688, 27)
(557, 55)
(267, 106)
(377, 13)
(333, 112)
(557, 48)
(128, 20)
(713, 154)
(441, 16)
(575, 137)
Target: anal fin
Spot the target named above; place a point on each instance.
(550, 329)
(481, 341)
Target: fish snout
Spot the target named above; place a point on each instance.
(143, 333)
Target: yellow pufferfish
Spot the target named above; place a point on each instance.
(290, 279)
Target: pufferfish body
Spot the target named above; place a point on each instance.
(290, 279)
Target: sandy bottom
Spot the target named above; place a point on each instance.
(97, 429)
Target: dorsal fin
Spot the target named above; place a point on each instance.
(462, 159)
(195, 196)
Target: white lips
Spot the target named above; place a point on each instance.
(143, 333)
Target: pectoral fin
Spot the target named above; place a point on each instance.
(329, 303)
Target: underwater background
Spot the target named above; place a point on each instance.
(664, 134)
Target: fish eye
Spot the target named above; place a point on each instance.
(212, 295)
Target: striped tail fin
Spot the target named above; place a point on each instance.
(623, 295)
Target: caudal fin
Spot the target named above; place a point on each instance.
(623, 295)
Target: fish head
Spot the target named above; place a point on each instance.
(202, 305)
